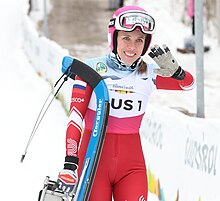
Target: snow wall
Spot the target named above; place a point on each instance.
(45, 56)
(181, 152)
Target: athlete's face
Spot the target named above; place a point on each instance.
(130, 45)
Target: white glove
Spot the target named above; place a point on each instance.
(68, 177)
(167, 63)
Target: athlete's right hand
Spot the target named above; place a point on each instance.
(68, 177)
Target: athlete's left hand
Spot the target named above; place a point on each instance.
(165, 60)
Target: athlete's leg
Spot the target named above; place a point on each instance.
(132, 187)
(101, 189)
(131, 180)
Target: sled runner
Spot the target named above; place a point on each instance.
(50, 192)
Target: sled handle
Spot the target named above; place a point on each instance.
(81, 69)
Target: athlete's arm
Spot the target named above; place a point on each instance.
(169, 74)
(81, 94)
(173, 84)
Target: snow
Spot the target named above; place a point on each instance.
(23, 93)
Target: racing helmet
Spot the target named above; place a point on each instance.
(128, 18)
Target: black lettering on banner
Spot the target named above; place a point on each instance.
(201, 156)
(153, 134)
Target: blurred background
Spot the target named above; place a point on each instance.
(85, 22)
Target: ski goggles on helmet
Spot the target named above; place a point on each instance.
(130, 20)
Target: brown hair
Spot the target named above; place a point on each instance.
(143, 67)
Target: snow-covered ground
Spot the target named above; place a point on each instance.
(23, 93)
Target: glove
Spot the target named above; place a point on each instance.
(68, 177)
(167, 63)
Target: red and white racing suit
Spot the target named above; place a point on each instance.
(121, 171)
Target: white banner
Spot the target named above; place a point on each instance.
(182, 156)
